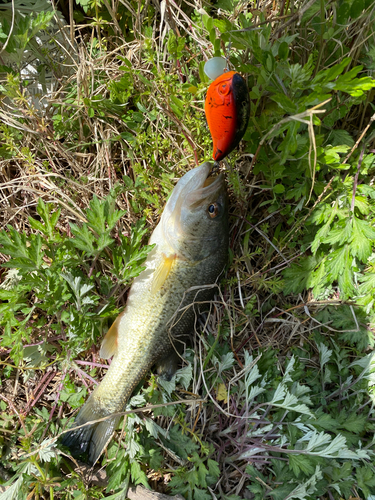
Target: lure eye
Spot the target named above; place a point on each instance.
(213, 210)
(224, 88)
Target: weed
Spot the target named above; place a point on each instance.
(276, 399)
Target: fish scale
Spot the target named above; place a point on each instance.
(191, 247)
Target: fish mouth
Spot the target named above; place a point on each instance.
(195, 190)
(208, 192)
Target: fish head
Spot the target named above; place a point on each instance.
(195, 219)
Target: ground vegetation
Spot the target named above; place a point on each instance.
(102, 110)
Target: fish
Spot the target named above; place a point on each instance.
(227, 108)
(191, 250)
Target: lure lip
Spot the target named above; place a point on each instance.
(215, 67)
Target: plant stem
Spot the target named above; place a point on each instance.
(213, 347)
(356, 179)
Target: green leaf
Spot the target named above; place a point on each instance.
(201, 494)
(324, 421)
(27, 254)
(282, 398)
(202, 75)
(340, 137)
(345, 279)
(14, 491)
(281, 492)
(325, 229)
(84, 239)
(331, 155)
(341, 233)
(178, 102)
(302, 463)
(35, 356)
(283, 51)
(103, 241)
(337, 260)
(362, 240)
(355, 423)
(354, 86)
(297, 276)
(225, 5)
(75, 398)
(96, 215)
(327, 75)
(118, 469)
(137, 474)
(306, 489)
(102, 218)
(213, 468)
(324, 354)
(180, 443)
(366, 479)
(285, 103)
(175, 45)
(362, 204)
(47, 451)
(223, 25)
(367, 280)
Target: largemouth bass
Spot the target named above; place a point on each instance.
(191, 248)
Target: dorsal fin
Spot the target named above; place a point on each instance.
(161, 273)
(109, 343)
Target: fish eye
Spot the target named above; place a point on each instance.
(213, 210)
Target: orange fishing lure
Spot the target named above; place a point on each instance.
(227, 110)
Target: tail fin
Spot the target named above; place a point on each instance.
(101, 437)
(92, 437)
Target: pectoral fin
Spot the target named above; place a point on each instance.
(109, 343)
(161, 273)
(168, 364)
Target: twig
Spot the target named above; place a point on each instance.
(90, 363)
(59, 389)
(11, 29)
(15, 411)
(43, 384)
(84, 374)
(298, 15)
(360, 138)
